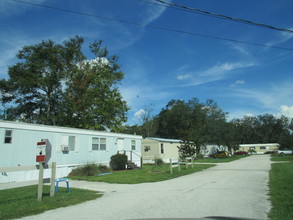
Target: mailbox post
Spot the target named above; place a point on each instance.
(41, 159)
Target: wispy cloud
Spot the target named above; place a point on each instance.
(184, 76)
(214, 73)
(282, 38)
(221, 70)
(241, 49)
(238, 82)
(153, 13)
(268, 97)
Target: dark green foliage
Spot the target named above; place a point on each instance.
(251, 151)
(187, 149)
(89, 170)
(205, 123)
(118, 162)
(56, 84)
(192, 121)
(159, 162)
(199, 156)
(263, 129)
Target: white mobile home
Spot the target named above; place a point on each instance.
(259, 148)
(69, 147)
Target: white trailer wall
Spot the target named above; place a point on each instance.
(20, 149)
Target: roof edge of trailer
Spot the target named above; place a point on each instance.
(165, 140)
(60, 129)
(260, 145)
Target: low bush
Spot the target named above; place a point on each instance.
(199, 156)
(158, 164)
(118, 162)
(89, 170)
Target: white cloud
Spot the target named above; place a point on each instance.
(214, 73)
(286, 111)
(237, 82)
(183, 77)
(138, 116)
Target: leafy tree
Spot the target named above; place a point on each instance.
(55, 84)
(187, 149)
(263, 129)
(192, 121)
(231, 136)
(173, 121)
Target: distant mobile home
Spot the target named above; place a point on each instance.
(70, 147)
(167, 149)
(259, 148)
(163, 148)
(208, 149)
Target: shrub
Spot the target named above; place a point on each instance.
(252, 151)
(199, 156)
(104, 168)
(89, 170)
(118, 162)
(86, 170)
(158, 164)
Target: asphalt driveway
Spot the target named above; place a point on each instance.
(238, 189)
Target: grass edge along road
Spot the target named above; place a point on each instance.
(281, 189)
(145, 175)
(221, 160)
(22, 201)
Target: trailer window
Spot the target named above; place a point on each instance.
(71, 143)
(103, 144)
(162, 148)
(68, 141)
(147, 148)
(95, 143)
(133, 145)
(8, 137)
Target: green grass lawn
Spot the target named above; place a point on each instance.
(20, 202)
(281, 188)
(282, 158)
(144, 175)
(221, 160)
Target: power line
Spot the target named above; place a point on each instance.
(225, 17)
(152, 26)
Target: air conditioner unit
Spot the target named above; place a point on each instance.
(65, 148)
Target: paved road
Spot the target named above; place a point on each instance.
(235, 189)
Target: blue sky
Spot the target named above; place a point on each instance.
(162, 65)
